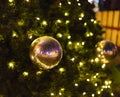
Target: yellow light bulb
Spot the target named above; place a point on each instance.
(61, 70)
(76, 84)
(82, 15)
(66, 14)
(59, 21)
(79, 4)
(59, 35)
(11, 65)
(11, 1)
(25, 73)
(69, 3)
(52, 94)
(44, 23)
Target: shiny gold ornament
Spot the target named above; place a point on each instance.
(46, 52)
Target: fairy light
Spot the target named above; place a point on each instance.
(79, 4)
(103, 66)
(80, 18)
(92, 20)
(85, 24)
(59, 35)
(11, 1)
(96, 84)
(27, 0)
(38, 72)
(96, 59)
(25, 73)
(44, 23)
(92, 60)
(73, 59)
(52, 94)
(60, 93)
(95, 22)
(78, 43)
(94, 77)
(112, 94)
(11, 65)
(83, 43)
(20, 22)
(66, 14)
(88, 80)
(91, 34)
(60, 4)
(69, 37)
(14, 34)
(59, 21)
(37, 18)
(76, 85)
(62, 89)
(69, 2)
(98, 92)
(67, 22)
(69, 42)
(61, 70)
(82, 15)
(84, 93)
(81, 64)
(93, 95)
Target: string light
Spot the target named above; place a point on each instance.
(44, 23)
(84, 93)
(95, 22)
(83, 43)
(11, 65)
(52, 94)
(67, 22)
(61, 70)
(98, 92)
(14, 34)
(69, 2)
(85, 24)
(73, 59)
(66, 14)
(92, 20)
(80, 18)
(60, 93)
(20, 22)
(69, 37)
(112, 94)
(103, 66)
(27, 0)
(25, 73)
(39, 72)
(59, 35)
(59, 21)
(93, 95)
(96, 84)
(37, 18)
(79, 4)
(96, 59)
(76, 84)
(88, 80)
(60, 4)
(82, 15)
(69, 42)
(11, 1)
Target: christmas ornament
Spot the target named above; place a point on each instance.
(46, 52)
(107, 49)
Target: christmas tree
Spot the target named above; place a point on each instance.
(80, 72)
